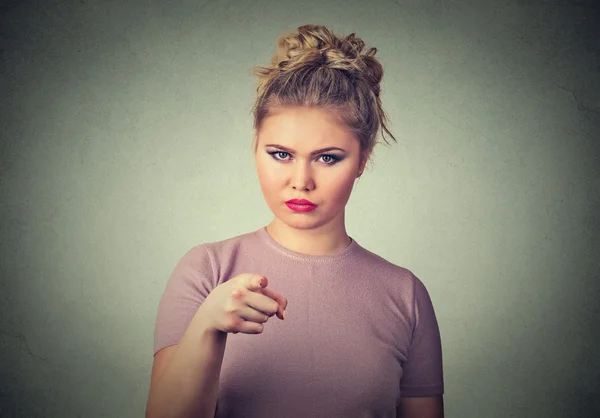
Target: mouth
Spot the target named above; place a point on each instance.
(300, 202)
(300, 207)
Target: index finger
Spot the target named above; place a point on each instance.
(281, 300)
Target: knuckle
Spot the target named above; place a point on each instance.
(235, 323)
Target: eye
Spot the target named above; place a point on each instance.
(329, 159)
(277, 152)
(332, 158)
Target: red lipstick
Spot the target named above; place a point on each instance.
(300, 205)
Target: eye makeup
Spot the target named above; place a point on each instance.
(333, 159)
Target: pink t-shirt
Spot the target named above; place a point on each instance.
(360, 332)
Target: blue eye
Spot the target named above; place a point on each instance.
(332, 159)
(277, 152)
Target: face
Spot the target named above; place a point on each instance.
(290, 166)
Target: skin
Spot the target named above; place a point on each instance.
(298, 174)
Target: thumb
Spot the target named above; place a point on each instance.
(256, 281)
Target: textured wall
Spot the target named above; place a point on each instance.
(125, 140)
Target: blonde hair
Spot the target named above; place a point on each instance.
(313, 67)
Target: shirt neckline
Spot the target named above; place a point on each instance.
(268, 239)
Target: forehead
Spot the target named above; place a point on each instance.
(302, 125)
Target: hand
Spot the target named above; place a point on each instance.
(243, 304)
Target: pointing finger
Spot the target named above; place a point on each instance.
(281, 300)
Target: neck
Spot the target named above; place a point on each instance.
(324, 240)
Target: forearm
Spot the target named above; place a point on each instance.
(421, 407)
(189, 384)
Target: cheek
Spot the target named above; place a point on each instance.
(340, 188)
(337, 187)
(266, 176)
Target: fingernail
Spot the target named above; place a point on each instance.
(284, 315)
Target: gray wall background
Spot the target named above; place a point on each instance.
(125, 141)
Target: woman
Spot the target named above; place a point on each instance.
(362, 338)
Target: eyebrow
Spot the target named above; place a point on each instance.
(312, 153)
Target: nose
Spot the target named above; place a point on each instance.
(302, 178)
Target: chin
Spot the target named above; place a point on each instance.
(305, 223)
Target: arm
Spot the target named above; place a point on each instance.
(426, 407)
(183, 372)
(422, 384)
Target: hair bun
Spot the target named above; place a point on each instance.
(317, 46)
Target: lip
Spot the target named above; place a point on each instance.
(301, 202)
(300, 208)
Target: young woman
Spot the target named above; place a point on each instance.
(361, 338)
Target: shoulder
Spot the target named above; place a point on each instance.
(213, 247)
(383, 266)
(214, 255)
(228, 244)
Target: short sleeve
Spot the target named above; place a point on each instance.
(422, 372)
(187, 288)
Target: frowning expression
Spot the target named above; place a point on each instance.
(306, 153)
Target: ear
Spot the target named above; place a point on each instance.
(363, 162)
